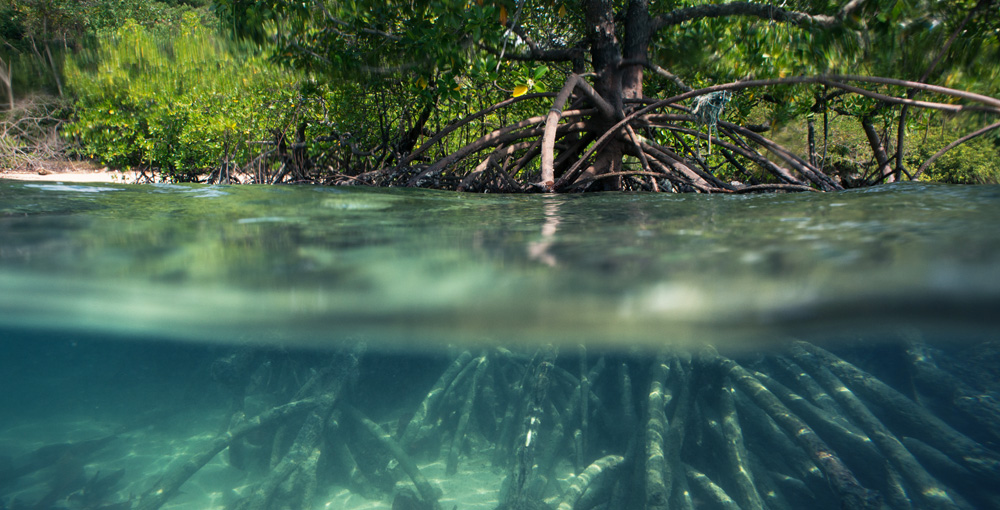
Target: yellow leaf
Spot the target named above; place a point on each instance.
(520, 90)
(421, 82)
(562, 11)
(503, 15)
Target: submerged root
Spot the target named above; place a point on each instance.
(802, 428)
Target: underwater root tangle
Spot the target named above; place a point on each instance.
(795, 428)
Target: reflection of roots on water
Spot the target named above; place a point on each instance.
(800, 428)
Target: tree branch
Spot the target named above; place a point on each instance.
(763, 11)
(659, 71)
(557, 55)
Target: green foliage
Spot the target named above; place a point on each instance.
(177, 104)
(342, 38)
(974, 162)
(73, 21)
(162, 91)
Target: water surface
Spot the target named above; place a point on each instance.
(318, 265)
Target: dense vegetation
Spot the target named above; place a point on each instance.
(346, 92)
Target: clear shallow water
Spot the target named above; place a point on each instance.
(138, 322)
(318, 265)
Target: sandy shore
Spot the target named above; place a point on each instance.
(70, 176)
(67, 171)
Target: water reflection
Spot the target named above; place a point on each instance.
(540, 250)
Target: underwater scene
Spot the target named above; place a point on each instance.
(252, 347)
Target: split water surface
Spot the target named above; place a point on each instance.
(191, 346)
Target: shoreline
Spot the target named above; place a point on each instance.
(81, 176)
(66, 170)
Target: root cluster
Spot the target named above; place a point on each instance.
(583, 145)
(797, 428)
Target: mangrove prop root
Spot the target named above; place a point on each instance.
(925, 425)
(167, 486)
(895, 492)
(789, 485)
(772, 497)
(554, 444)
(737, 438)
(746, 489)
(852, 494)
(710, 489)
(673, 442)
(777, 444)
(463, 421)
(628, 410)
(953, 474)
(343, 457)
(427, 492)
(584, 392)
(657, 477)
(430, 402)
(978, 407)
(841, 434)
(808, 387)
(927, 488)
(297, 459)
(600, 469)
(535, 387)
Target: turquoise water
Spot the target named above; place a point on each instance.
(137, 322)
(319, 265)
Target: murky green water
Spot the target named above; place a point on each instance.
(139, 322)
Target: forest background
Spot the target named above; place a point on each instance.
(185, 90)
